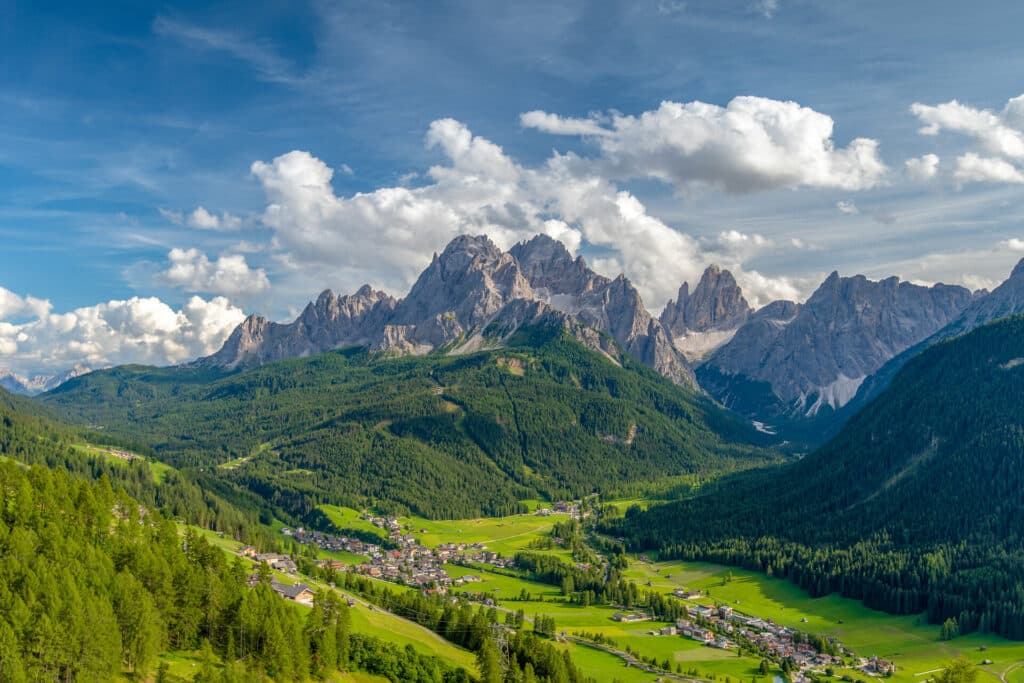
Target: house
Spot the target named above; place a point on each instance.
(667, 631)
(630, 617)
(686, 593)
(702, 635)
(298, 592)
(247, 551)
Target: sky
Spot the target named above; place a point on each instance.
(167, 168)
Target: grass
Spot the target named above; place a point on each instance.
(909, 641)
(505, 535)
(505, 587)
(348, 519)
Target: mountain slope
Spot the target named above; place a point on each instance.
(797, 364)
(470, 287)
(914, 506)
(442, 435)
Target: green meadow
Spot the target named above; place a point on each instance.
(909, 641)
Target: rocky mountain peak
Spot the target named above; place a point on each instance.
(702, 320)
(469, 287)
(818, 354)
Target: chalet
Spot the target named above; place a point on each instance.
(667, 631)
(298, 592)
(702, 635)
(248, 551)
(686, 594)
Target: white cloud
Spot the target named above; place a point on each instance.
(558, 125)
(204, 220)
(136, 330)
(1013, 244)
(922, 168)
(347, 170)
(176, 217)
(847, 207)
(192, 271)
(752, 144)
(14, 306)
(971, 168)
(1000, 134)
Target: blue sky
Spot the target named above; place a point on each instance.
(120, 120)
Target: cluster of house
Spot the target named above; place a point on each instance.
(281, 563)
(408, 563)
(716, 625)
(560, 508)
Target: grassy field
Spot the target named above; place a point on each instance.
(908, 640)
(347, 518)
(505, 535)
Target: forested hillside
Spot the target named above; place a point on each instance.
(915, 506)
(440, 435)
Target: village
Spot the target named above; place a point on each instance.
(720, 626)
(405, 561)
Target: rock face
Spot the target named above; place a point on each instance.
(328, 323)
(702, 321)
(471, 296)
(798, 360)
(38, 384)
(1005, 300)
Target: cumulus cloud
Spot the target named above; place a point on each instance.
(192, 271)
(14, 306)
(971, 168)
(752, 144)
(847, 207)
(922, 168)
(1013, 244)
(136, 330)
(387, 236)
(204, 220)
(998, 136)
(998, 133)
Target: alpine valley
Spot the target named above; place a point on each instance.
(825, 488)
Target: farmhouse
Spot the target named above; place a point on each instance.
(298, 592)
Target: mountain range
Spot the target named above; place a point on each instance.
(38, 384)
(471, 297)
(791, 368)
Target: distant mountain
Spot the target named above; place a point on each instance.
(915, 506)
(704, 320)
(37, 384)
(1005, 300)
(472, 296)
(801, 362)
